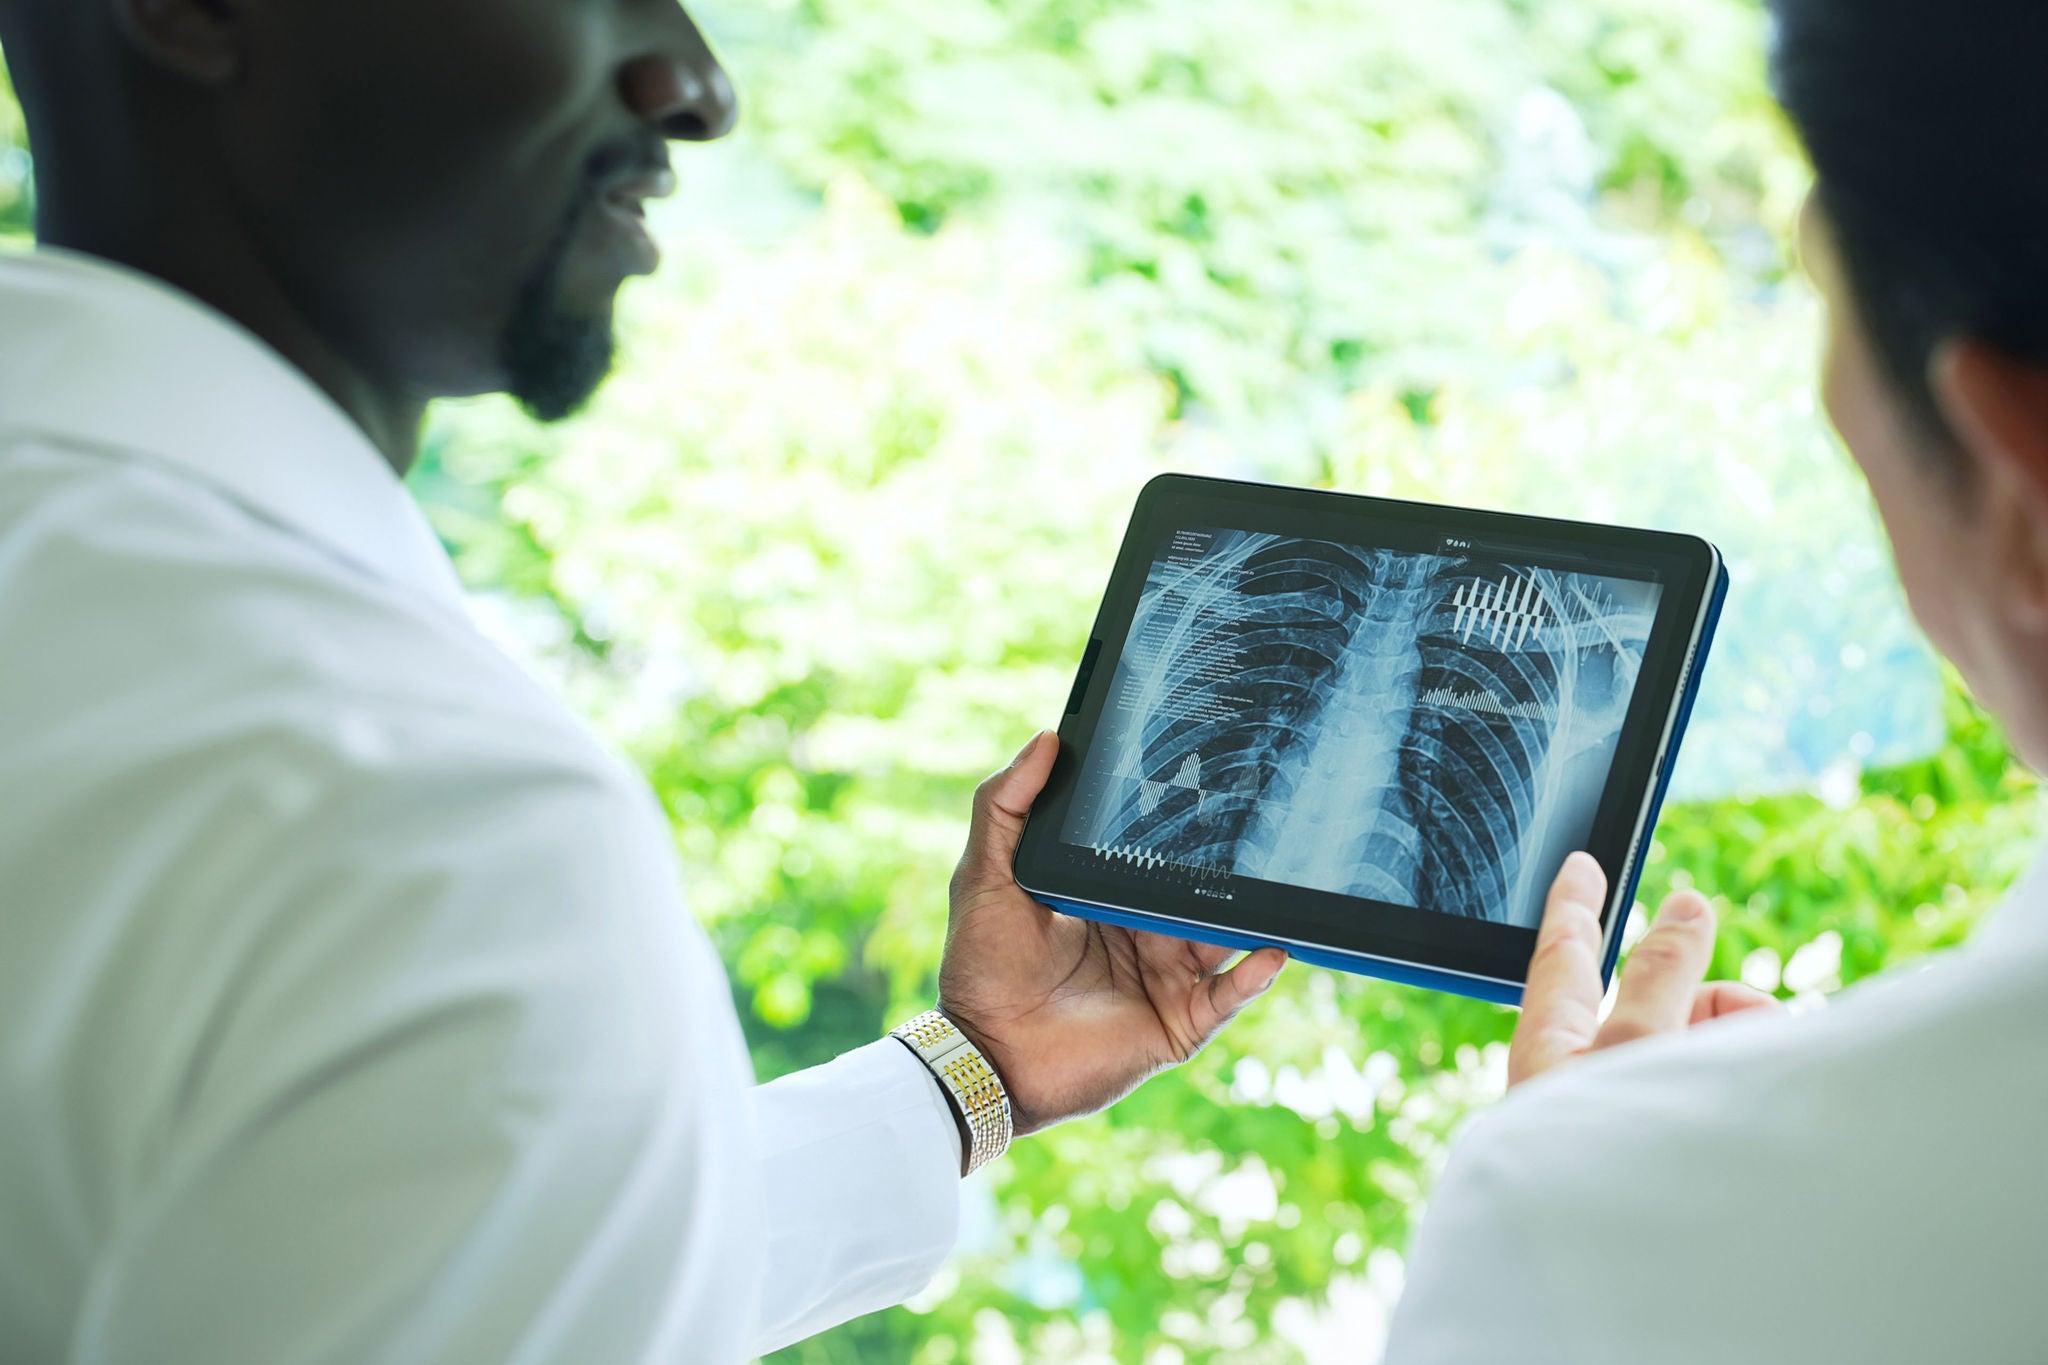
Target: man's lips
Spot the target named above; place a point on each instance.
(622, 219)
(632, 193)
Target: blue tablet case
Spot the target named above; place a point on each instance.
(1408, 974)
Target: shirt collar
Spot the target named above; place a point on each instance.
(95, 354)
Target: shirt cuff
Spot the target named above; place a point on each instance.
(860, 1173)
(933, 1092)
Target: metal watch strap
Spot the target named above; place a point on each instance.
(968, 1077)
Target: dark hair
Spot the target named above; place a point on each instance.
(1926, 121)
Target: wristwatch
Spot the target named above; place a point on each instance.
(976, 1089)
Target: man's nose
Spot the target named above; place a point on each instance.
(689, 97)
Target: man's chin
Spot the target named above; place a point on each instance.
(554, 364)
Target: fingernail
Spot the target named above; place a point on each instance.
(1686, 908)
(1583, 881)
(1029, 745)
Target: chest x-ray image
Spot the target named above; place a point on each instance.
(1428, 730)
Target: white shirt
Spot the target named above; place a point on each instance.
(349, 1010)
(1867, 1183)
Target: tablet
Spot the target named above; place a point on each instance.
(1368, 731)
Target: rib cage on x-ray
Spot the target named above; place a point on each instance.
(1421, 729)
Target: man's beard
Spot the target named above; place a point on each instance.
(553, 363)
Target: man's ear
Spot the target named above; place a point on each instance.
(194, 40)
(1996, 406)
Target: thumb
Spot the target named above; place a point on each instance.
(1002, 801)
(1228, 992)
(1561, 1002)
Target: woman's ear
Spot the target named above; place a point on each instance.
(194, 40)
(1996, 407)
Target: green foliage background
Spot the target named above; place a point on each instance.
(827, 549)
(14, 200)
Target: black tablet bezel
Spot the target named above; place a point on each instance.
(1686, 566)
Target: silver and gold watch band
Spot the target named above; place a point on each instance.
(968, 1078)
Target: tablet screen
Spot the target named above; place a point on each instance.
(1424, 729)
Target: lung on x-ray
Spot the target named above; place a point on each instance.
(1430, 730)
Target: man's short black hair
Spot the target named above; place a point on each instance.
(1927, 121)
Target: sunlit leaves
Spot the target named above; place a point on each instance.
(14, 162)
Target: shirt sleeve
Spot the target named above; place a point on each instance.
(1480, 1287)
(1600, 1212)
(1767, 1188)
(464, 1083)
(860, 1170)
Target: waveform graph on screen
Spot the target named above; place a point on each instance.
(1158, 867)
(1504, 612)
(1186, 777)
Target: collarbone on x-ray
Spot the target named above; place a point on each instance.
(1428, 730)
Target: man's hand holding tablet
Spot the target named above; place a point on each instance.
(1073, 1014)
